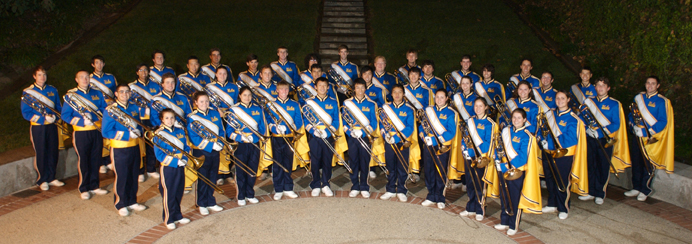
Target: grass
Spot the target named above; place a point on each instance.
(180, 28)
(442, 31)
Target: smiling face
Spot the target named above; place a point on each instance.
(562, 101)
(82, 79)
(215, 57)
(526, 67)
(360, 90)
(40, 77)
(266, 75)
(252, 65)
(168, 85)
(518, 120)
(523, 90)
(465, 64)
(411, 58)
(98, 65)
(282, 53)
(143, 73)
(466, 85)
(479, 107)
(123, 94)
(546, 80)
(367, 76)
(440, 98)
(283, 91)
(193, 66)
(321, 88)
(246, 97)
(168, 118)
(221, 75)
(202, 102)
(602, 89)
(343, 54)
(651, 85)
(397, 94)
(585, 76)
(158, 59)
(380, 65)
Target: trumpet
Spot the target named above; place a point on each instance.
(83, 107)
(595, 125)
(128, 121)
(388, 125)
(501, 108)
(194, 163)
(639, 121)
(43, 108)
(315, 120)
(552, 154)
(238, 124)
(353, 123)
(209, 135)
(511, 174)
(189, 86)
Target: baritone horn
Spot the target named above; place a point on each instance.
(43, 109)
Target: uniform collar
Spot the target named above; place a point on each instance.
(488, 82)
(222, 84)
(121, 104)
(253, 73)
(244, 105)
(546, 90)
(522, 101)
(97, 75)
(520, 128)
(380, 75)
(560, 113)
(440, 108)
(342, 63)
(143, 82)
(167, 128)
(600, 99)
(86, 91)
(652, 94)
(467, 95)
(168, 95)
(157, 68)
(40, 87)
(409, 66)
(428, 78)
(484, 116)
(524, 77)
(265, 85)
(282, 100)
(360, 100)
(205, 113)
(193, 75)
(367, 87)
(414, 87)
(322, 98)
(465, 72)
(215, 66)
(283, 63)
(399, 105)
(584, 86)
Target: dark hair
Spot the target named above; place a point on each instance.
(282, 83)
(606, 81)
(466, 56)
(342, 46)
(586, 68)
(311, 56)
(166, 76)
(527, 59)
(121, 85)
(428, 62)
(359, 81)
(217, 71)
(400, 86)
(658, 81)
(315, 66)
(321, 79)
(37, 69)
(548, 72)
(266, 66)
(97, 56)
(139, 66)
(243, 89)
(250, 57)
(163, 111)
(516, 91)
(414, 70)
(520, 111)
(366, 68)
(563, 92)
(198, 94)
(412, 51)
(153, 55)
(441, 90)
(281, 47)
(466, 77)
(216, 49)
(192, 57)
(490, 68)
(485, 102)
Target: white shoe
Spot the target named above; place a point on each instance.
(549, 209)
(511, 232)
(543, 185)
(183, 221)
(99, 191)
(219, 182)
(427, 203)
(253, 200)
(599, 200)
(641, 197)
(215, 208)
(138, 207)
(315, 192)
(278, 196)
(203, 211)
(562, 215)
(56, 183)
(456, 185)
(365, 194)
(353, 193)
(141, 178)
(464, 213)
(586, 198)
(387, 195)
(441, 205)
(479, 217)
(86, 195)
(327, 191)
(103, 169)
(44, 186)
(402, 197)
(110, 166)
(372, 174)
(241, 202)
(170, 226)
(501, 227)
(186, 192)
(123, 212)
(290, 194)
(154, 175)
(463, 188)
(632, 193)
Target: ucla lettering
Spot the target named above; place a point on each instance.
(605, 107)
(549, 99)
(50, 94)
(402, 113)
(516, 139)
(491, 90)
(443, 116)
(365, 109)
(349, 70)
(290, 108)
(214, 119)
(255, 113)
(94, 97)
(480, 126)
(288, 69)
(651, 104)
(329, 107)
(179, 102)
(562, 123)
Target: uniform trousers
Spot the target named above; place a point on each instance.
(205, 194)
(89, 147)
(126, 168)
(396, 180)
(44, 138)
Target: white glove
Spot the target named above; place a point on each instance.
(182, 162)
(651, 132)
(134, 135)
(87, 116)
(428, 141)
(592, 133)
(389, 139)
(217, 147)
(247, 139)
(369, 128)
(147, 111)
(440, 138)
(281, 129)
(178, 124)
(638, 131)
(466, 155)
(50, 118)
(87, 122)
(544, 143)
(358, 133)
(497, 164)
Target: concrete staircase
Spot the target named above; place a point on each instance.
(344, 22)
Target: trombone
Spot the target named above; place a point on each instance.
(314, 120)
(343, 85)
(388, 126)
(159, 106)
(547, 132)
(476, 163)
(40, 106)
(501, 108)
(429, 130)
(594, 125)
(403, 74)
(511, 174)
(194, 162)
(209, 135)
(639, 121)
(353, 123)
(238, 124)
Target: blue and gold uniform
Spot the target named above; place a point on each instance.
(253, 75)
(435, 170)
(248, 154)
(432, 82)
(492, 88)
(548, 96)
(200, 78)
(152, 88)
(407, 67)
(376, 94)
(533, 80)
(350, 68)
(481, 131)
(269, 88)
(125, 155)
(321, 156)
(331, 91)
(532, 111)
(229, 88)
(422, 93)
(465, 100)
(359, 156)
(177, 99)
(291, 70)
(201, 147)
(45, 136)
(281, 151)
(162, 70)
(581, 92)
(213, 68)
(172, 174)
(387, 79)
(396, 180)
(87, 140)
(474, 77)
(106, 79)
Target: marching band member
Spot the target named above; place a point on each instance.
(309, 77)
(420, 91)
(159, 57)
(211, 68)
(147, 89)
(411, 58)
(601, 153)
(653, 148)
(320, 154)
(45, 136)
(105, 79)
(349, 68)
(289, 112)
(525, 75)
(584, 89)
(211, 119)
(193, 74)
(376, 91)
(172, 168)
(514, 176)
(309, 60)
(251, 72)
(401, 116)
(571, 168)
(465, 99)
(284, 69)
(443, 121)
(524, 99)
(383, 77)
(125, 151)
(224, 85)
(481, 129)
(546, 91)
(360, 106)
(488, 88)
(429, 79)
(169, 98)
(249, 154)
(466, 69)
(87, 139)
(266, 82)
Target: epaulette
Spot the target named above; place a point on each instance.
(73, 89)
(179, 93)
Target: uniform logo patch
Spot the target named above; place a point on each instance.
(549, 99)
(254, 113)
(562, 123)
(349, 70)
(152, 90)
(605, 107)
(288, 69)
(179, 102)
(589, 93)
(480, 126)
(516, 139)
(402, 113)
(290, 108)
(94, 97)
(365, 109)
(329, 106)
(468, 103)
(443, 116)
(50, 94)
(214, 119)
(651, 104)
(491, 90)
(180, 136)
